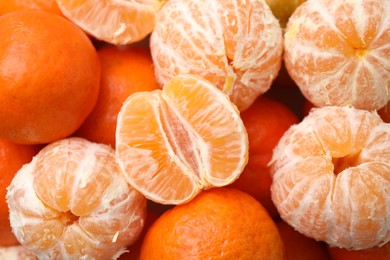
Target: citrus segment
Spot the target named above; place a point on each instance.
(174, 142)
(114, 21)
(71, 202)
(237, 45)
(338, 53)
(328, 194)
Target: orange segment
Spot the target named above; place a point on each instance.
(71, 201)
(113, 21)
(174, 142)
(339, 196)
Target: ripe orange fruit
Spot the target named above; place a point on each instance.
(114, 21)
(49, 77)
(283, 9)
(220, 223)
(12, 157)
(328, 171)
(300, 247)
(8, 6)
(374, 253)
(173, 143)
(125, 71)
(265, 120)
(72, 202)
(338, 53)
(236, 45)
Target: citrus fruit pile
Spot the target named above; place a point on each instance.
(194, 129)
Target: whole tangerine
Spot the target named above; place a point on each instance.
(49, 77)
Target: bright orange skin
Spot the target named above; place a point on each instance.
(299, 246)
(12, 157)
(49, 77)
(266, 120)
(220, 223)
(7, 6)
(124, 72)
(377, 253)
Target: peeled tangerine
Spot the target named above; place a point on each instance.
(338, 52)
(237, 45)
(71, 202)
(331, 177)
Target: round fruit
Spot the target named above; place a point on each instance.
(49, 77)
(265, 120)
(331, 177)
(12, 158)
(71, 202)
(236, 45)
(125, 70)
(338, 53)
(220, 223)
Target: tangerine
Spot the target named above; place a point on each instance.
(125, 70)
(236, 45)
(220, 223)
(45, 94)
(328, 170)
(338, 53)
(265, 120)
(173, 143)
(12, 157)
(71, 202)
(15, 5)
(117, 22)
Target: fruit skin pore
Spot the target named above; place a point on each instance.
(49, 77)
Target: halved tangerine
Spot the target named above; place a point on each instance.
(331, 177)
(174, 142)
(114, 21)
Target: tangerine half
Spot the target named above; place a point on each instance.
(173, 143)
(114, 21)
